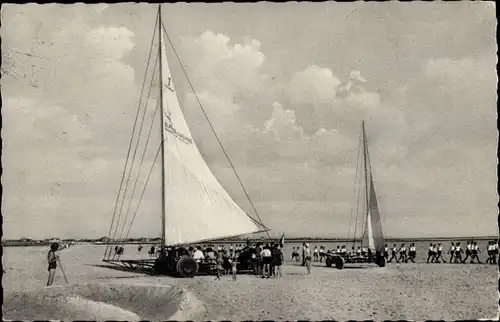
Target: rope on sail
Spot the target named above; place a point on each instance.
(215, 134)
(135, 152)
(107, 252)
(139, 171)
(354, 196)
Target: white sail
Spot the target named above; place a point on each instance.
(197, 207)
(369, 232)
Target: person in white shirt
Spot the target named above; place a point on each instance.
(475, 253)
(394, 252)
(412, 253)
(266, 259)
(198, 255)
(491, 253)
(316, 254)
(458, 253)
(402, 253)
(451, 251)
(386, 252)
(431, 254)
(358, 251)
(321, 253)
(468, 251)
(439, 252)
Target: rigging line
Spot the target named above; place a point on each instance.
(354, 194)
(136, 147)
(140, 165)
(139, 134)
(215, 133)
(144, 189)
(130, 144)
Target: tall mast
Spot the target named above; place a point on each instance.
(365, 160)
(162, 129)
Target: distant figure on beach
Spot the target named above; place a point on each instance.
(321, 253)
(266, 260)
(295, 254)
(258, 259)
(439, 252)
(139, 249)
(304, 254)
(277, 260)
(234, 263)
(431, 254)
(412, 253)
(316, 254)
(394, 252)
(307, 255)
(402, 253)
(116, 250)
(52, 261)
(451, 251)
(458, 253)
(468, 251)
(475, 253)
(218, 262)
(343, 250)
(492, 258)
(386, 252)
(359, 251)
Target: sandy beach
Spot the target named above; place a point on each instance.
(396, 292)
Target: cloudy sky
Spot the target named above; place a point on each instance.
(286, 87)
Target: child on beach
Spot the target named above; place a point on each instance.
(52, 261)
(219, 262)
(393, 254)
(234, 263)
(458, 253)
(439, 254)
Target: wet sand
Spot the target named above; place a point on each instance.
(405, 291)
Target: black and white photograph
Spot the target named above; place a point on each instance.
(250, 161)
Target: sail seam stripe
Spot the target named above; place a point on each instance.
(130, 146)
(215, 133)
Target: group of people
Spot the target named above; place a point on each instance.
(404, 254)
(263, 259)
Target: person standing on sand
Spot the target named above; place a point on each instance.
(468, 251)
(304, 254)
(394, 252)
(52, 261)
(316, 253)
(258, 259)
(412, 253)
(266, 260)
(475, 253)
(307, 254)
(386, 252)
(218, 261)
(439, 253)
(277, 260)
(451, 251)
(491, 253)
(431, 254)
(234, 263)
(458, 253)
(402, 253)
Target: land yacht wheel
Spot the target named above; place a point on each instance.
(187, 266)
(339, 262)
(328, 261)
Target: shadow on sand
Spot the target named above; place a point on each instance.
(124, 269)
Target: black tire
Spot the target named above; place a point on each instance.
(187, 266)
(339, 262)
(328, 261)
